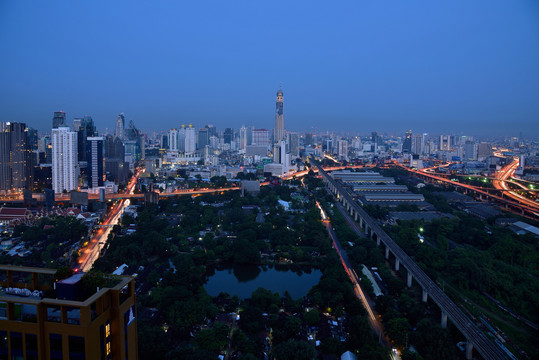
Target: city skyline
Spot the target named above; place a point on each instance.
(374, 67)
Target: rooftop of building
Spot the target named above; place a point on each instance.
(31, 285)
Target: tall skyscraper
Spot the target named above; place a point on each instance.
(173, 140)
(119, 131)
(407, 143)
(260, 137)
(203, 138)
(246, 136)
(59, 119)
(85, 128)
(342, 149)
(190, 139)
(418, 144)
(293, 144)
(445, 142)
(279, 134)
(228, 135)
(65, 171)
(16, 168)
(95, 162)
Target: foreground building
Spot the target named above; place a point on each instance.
(42, 319)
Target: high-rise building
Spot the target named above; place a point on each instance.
(119, 130)
(418, 144)
(181, 138)
(407, 143)
(470, 150)
(65, 170)
(164, 142)
(260, 137)
(445, 142)
(342, 149)
(279, 133)
(228, 135)
(95, 162)
(293, 144)
(246, 136)
(63, 320)
(190, 139)
(59, 119)
(173, 140)
(308, 139)
(85, 128)
(16, 165)
(203, 138)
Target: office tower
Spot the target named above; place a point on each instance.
(470, 150)
(119, 130)
(278, 134)
(342, 149)
(115, 166)
(95, 162)
(33, 137)
(65, 170)
(375, 138)
(246, 136)
(85, 128)
(59, 119)
(203, 138)
(212, 130)
(445, 142)
(308, 139)
(228, 135)
(173, 140)
(418, 144)
(407, 143)
(484, 150)
(260, 137)
(293, 144)
(16, 166)
(190, 139)
(164, 141)
(65, 320)
(181, 138)
(214, 142)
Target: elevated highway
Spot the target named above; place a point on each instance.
(475, 338)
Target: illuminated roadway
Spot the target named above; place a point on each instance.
(90, 253)
(484, 346)
(524, 207)
(375, 323)
(500, 183)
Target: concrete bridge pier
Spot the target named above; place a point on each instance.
(409, 279)
(397, 264)
(424, 296)
(377, 241)
(361, 223)
(355, 217)
(387, 252)
(444, 320)
(469, 350)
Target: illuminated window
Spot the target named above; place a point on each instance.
(107, 330)
(108, 348)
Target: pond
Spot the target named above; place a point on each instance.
(243, 280)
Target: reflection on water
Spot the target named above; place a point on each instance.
(243, 280)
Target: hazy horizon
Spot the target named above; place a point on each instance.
(455, 67)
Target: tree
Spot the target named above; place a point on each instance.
(294, 349)
(312, 317)
(397, 329)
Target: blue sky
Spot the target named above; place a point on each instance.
(455, 66)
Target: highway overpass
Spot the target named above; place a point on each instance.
(475, 337)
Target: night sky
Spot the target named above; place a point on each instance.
(458, 66)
